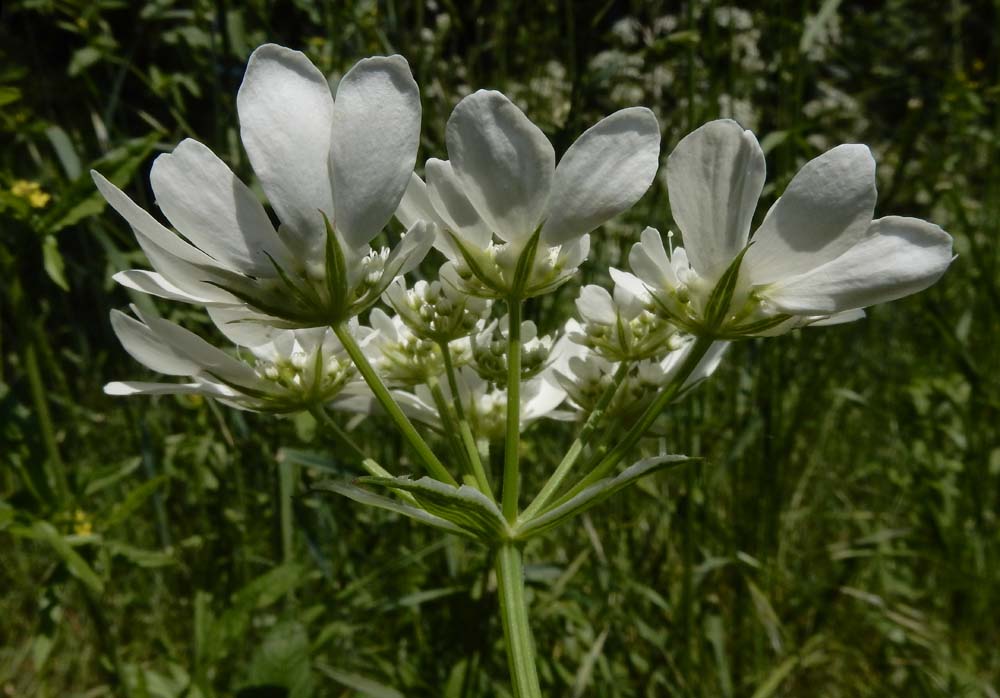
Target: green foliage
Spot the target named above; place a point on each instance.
(839, 537)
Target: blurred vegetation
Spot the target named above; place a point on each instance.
(841, 538)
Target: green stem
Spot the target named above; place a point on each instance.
(451, 430)
(382, 394)
(576, 448)
(57, 468)
(465, 429)
(512, 442)
(666, 396)
(516, 629)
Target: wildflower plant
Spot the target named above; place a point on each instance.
(451, 354)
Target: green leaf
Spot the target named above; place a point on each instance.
(365, 686)
(45, 532)
(363, 496)
(133, 500)
(65, 151)
(463, 506)
(595, 494)
(82, 59)
(315, 459)
(283, 660)
(53, 262)
(140, 557)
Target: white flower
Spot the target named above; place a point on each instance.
(347, 160)
(437, 310)
(619, 328)
(818, 255)
(489, 350)
(286, 370)
(502, 180)
(585, 374)
(400, 356)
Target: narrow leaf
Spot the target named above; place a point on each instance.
(595, 494)
(363, 496)
(463, 506)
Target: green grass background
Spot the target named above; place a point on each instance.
(840, 538)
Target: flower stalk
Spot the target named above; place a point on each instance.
(516, 627)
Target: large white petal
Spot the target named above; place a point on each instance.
(714, 178)
(286, 114)
(147, 348)
(213, 209)
(376, 131)
(603, 173)
(505, 163)
(416, 204)
(157, 285)
(243, 326)
(826, 208)
(129, 388)
(898, 256)
(450, 202)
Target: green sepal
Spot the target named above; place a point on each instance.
(472, 261)
(465, 507)
(722, 294)
(753, 328)
(594, 495)
(525, 263)
(363, 496)
(336, 270)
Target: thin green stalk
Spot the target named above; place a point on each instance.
(57, 468)
(576, 448)
(642, 425)
(451, 431)
(516, 628)
(465, 429)
(382, 394)
(512, 442)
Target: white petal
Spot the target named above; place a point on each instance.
(648, 260)
(157, 285)
(128, 388)
(826, 208)
(147, 348)
(595, 305)
(603, 173)
(453, 206)
(840, 318)
(630, 283)
(898, 256)
(416, 205)
(409, 252)
(213, 209)
(505, 163)
(286, 114)
(243, 326)
(714, 178)
(376, 131)
(209, 359)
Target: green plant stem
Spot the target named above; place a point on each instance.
(642, 425)
(451, 430)
(57, 468)
(576, 448)
(512, 442)
(465, 429)
(382, 394)
(516, 629)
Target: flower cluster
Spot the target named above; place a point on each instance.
(510, 223)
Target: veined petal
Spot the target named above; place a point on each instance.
(243, 326)
(453, 206)
(714, 177)
(603, 173)
(504, 162)
(147, 348)
(157, 285)
(286, 112)
(214, 210)
(376, 131)
(825, 210)
(898, 256)
(208, 359)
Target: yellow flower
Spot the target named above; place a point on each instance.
(31, 192)
(82, 525)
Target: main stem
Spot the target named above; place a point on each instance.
(512, 444)
(516, 629)
(382, 394)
